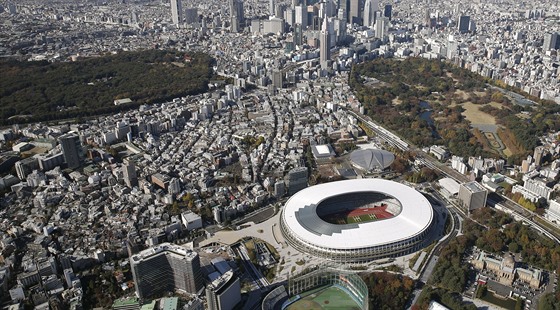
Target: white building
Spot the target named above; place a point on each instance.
(191, 220)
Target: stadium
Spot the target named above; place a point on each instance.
(357, 221)
(320, 288)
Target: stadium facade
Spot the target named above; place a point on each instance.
(304, 225)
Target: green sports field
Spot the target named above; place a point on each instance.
(351, 219)
(329, 298)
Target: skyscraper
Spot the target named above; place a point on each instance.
(129, 173)
(325, 48)
(464, 22)
(236, 14)
(343, 5)
(381, 27)
(550, 41)
(538, 155)
(388, 12)
(72, 149)
(354, 16)
(298, 34)
(176, 11)
(166, 268)
(271, 8)
(191, 16)
(301, 16)
(370, 7)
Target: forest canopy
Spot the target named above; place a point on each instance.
(43, 91)
(424, 102)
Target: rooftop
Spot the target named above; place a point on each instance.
(415, 217)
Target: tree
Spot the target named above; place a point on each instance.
(481, 291)
(513, 247)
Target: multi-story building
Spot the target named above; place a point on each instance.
(25, 166)
(388, 11)
(176, 11)
(325, 48)
(553, 211)
(538, 155)
(354, 13)
(72, 150)
(464, 22)
(129, 174)
(166, 268)
(507, 271)
(538, 187)
(550, 41)
(296, 180)
(224, 293)
(472, 195)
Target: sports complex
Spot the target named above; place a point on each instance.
(357, 221)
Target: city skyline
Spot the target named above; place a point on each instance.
(278, 153)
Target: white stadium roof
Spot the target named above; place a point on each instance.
(415, 217)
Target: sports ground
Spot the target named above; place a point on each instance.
(359, 215)
(325, 298)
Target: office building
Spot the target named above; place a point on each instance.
(370, 7)
(538, 187)
(298, 34)
(464, 22)
(191, 220)
(472, 196)
(191, 16)
(301, 16)
(550, 41)
(174, 186)
(176, 12)
(50, 161)
(129, 173)
(553, 211)
(388, 11)
(236, 15)
(354, 12)
(296, 180)
(72, 150)
(271, 8)
(224, 293)
(277, 78)
(325, 48)
(381, 27)
(538, 155)
(25, 166)
(166, 268)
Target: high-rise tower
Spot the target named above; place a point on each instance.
(370, 7)
(166, 268)
(236, 14)
(354, 13)
(325, 48)
(176, 12)
(129, 173)
(72, 149)
(388, 11)
(464, 22)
